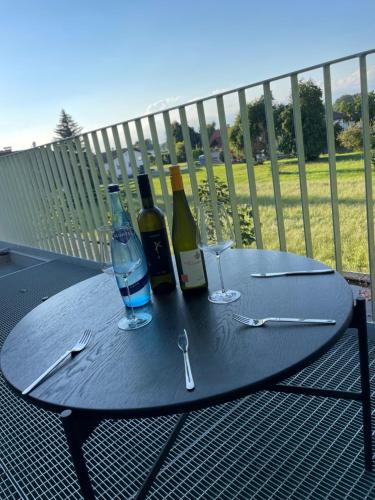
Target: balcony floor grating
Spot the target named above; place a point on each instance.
(265, 446)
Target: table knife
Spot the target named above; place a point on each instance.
(293, 273)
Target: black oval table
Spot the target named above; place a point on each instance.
(133, 374)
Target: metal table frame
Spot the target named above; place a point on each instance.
(78, 426)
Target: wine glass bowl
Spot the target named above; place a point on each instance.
(215, 236)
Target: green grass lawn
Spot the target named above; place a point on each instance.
(352, 209)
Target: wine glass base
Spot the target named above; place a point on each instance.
(220, 297)
(108, 270)
(140, 320)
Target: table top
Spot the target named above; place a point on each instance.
(141, 373)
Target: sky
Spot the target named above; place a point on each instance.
(106, 62)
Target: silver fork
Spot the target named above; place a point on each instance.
(183, 344)
(260, 322)
(78, 347)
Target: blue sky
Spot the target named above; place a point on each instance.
(105, 62)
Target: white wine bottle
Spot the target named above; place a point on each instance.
(189, 258)
(155, 242)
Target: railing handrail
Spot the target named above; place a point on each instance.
(212, 96)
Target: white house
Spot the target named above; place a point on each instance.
(339, 118)
(125, 155)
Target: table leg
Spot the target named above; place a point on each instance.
(142, 493)
(74, 439)
(361, 324)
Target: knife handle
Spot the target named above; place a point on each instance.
(293, 273)
(188, 375)
(312, 271)
(303, 320)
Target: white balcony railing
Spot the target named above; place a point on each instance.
(54, 196)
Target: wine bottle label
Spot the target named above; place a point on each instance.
(192, 268)
(134, 287)
(156, 248)
(123, 235)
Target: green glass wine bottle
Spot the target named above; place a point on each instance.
(151, 222)
(189, 258)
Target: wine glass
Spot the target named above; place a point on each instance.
(105, 237)
(128, 261)
(215, 241)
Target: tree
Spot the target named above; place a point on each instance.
(177, 131)
(350, 106)
(371, 106)
(195, 137)
(286, 143)
(211, 127)
(66, 127)
(180, 151)
(313, 122)
(347, 105)
(337, 129)
(257, 127)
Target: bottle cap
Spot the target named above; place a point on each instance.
(141, 168)
(176, 178)
(144, 185)
(113, 188)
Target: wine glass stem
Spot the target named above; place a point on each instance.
(220, 272)
(132, 316)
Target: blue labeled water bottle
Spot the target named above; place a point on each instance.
(139, 284)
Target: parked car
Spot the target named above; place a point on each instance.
(215, 158)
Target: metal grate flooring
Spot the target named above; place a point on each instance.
(265, 446)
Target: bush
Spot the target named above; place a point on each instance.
(244, 211)
(196, 153)
(180, 151)
(351, 138)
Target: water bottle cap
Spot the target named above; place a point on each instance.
(113, 188)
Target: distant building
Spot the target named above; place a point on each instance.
(125, 155)
(338, 118)
(6, 151)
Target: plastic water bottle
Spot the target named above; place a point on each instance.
(139, 284)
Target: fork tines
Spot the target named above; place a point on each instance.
(85, 337)
(240, 317)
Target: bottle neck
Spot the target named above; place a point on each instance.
(119, 216)
(180, 195)
(145, 190)
(147, 201)
(179, 199)
(176, 179)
